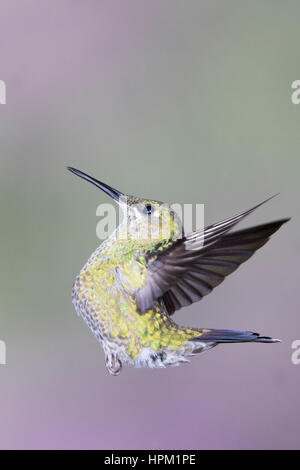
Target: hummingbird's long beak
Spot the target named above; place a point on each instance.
(116, 195)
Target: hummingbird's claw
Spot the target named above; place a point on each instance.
(113, 363)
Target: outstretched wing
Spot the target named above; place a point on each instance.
(195, 264)
(224, 257)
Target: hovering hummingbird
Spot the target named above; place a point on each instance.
(134, 282)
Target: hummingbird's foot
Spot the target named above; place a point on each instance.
(113, 363)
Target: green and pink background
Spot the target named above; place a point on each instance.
(174, 100)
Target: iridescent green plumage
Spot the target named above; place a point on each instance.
(147, 269)
(104, 294)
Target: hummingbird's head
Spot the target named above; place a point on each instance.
(151, 221)
(145, 220)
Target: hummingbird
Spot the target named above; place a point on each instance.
(147, 269)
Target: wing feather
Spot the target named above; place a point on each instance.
(217, 263)
(196, 264)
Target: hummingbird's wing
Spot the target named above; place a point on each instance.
(221, 259)
(195, 264)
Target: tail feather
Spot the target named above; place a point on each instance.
(233, 336)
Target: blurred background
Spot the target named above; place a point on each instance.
(177, 101)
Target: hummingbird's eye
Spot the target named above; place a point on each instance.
(148, 209)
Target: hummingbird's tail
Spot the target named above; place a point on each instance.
(186, 342)
(208, 339)
(233, 336)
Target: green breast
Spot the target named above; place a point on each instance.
(104, 296)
